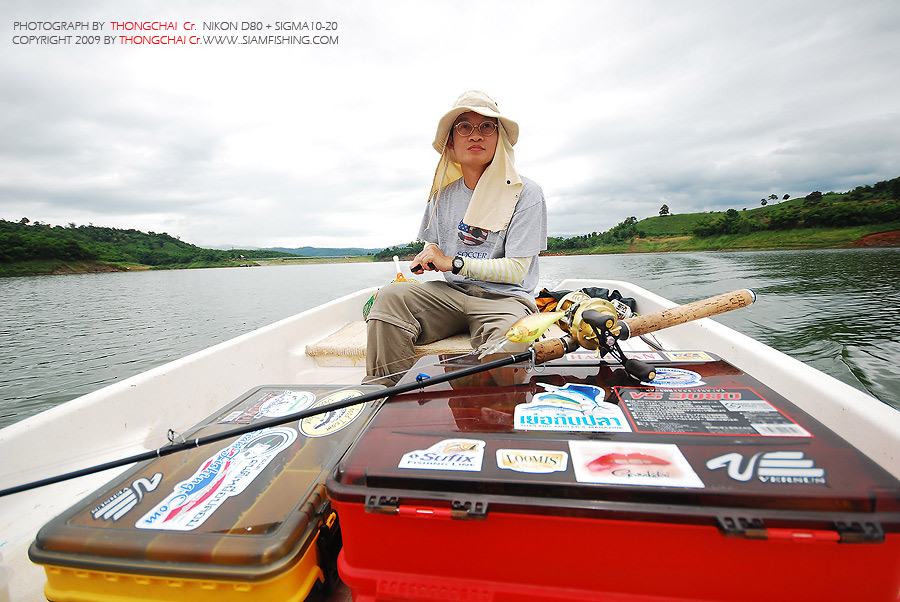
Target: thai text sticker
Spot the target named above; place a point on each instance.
(572, 407)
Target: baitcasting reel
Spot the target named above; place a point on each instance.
(594, 324)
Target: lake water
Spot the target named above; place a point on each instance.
(64, 336)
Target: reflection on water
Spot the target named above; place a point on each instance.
(835, 309)
(64, 336)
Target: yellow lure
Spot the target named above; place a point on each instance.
(532, 326)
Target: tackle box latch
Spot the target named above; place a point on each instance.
(460, 509)
(329, 544)
(843, 531)
(382, 504)
(742, 526)
(855, 532)
(469, 509)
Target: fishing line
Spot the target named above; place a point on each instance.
(278, 421)
(549, 350)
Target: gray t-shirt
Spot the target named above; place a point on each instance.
(525, 236)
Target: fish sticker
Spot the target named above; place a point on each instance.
(571, 407)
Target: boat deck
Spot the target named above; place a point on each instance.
(135, 415)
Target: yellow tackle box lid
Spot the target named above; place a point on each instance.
(244, 509)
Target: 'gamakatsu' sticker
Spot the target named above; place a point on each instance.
(226, 474)
(449, 454)
(622, 463)
(572, 407)
(536, 461)
(333, 421)
(675, 377)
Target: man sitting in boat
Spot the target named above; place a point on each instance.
(484, 227)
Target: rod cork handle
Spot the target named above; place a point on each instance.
(553, 349)
(704, 308)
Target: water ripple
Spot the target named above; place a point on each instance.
(64, 336)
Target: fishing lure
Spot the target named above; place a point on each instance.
(532, 326)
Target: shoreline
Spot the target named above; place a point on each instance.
(786, 240)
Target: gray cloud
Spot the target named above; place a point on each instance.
(623, 106)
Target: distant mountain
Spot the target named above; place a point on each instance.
(324, 251)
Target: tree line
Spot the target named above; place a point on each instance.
(863, 205)
(26, 240)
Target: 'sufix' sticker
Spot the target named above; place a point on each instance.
(226, 474)
(623, 463)
(449, 454)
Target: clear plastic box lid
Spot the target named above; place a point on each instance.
(244, 506)
(578, 436)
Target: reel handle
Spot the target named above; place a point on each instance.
(418, 267)
(598, 319)
(639, 370)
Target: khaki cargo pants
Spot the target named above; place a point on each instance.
(405, 315)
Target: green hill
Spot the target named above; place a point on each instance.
(33, 248)
(861, 211)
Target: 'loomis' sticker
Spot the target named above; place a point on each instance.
(532, 460)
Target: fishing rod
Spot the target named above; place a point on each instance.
(587, 321)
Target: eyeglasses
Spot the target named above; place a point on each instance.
(485, 128)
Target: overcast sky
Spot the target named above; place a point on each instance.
(623, 106)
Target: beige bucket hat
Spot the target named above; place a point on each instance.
(477, 102)
(497, 191)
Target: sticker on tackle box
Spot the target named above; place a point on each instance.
(224, 475)
(273, 405)
(644, 356)
(625, 463)
(730, 411)
(448, 454)
(570, 408)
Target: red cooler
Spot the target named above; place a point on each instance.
(243, 519)
(574, 482)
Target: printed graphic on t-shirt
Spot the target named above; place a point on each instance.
(472, 235)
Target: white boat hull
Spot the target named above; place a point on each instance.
(136, 414)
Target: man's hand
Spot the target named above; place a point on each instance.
(431, 259)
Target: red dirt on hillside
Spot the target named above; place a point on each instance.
(880, 239)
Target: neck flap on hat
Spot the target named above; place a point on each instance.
(496, 193)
